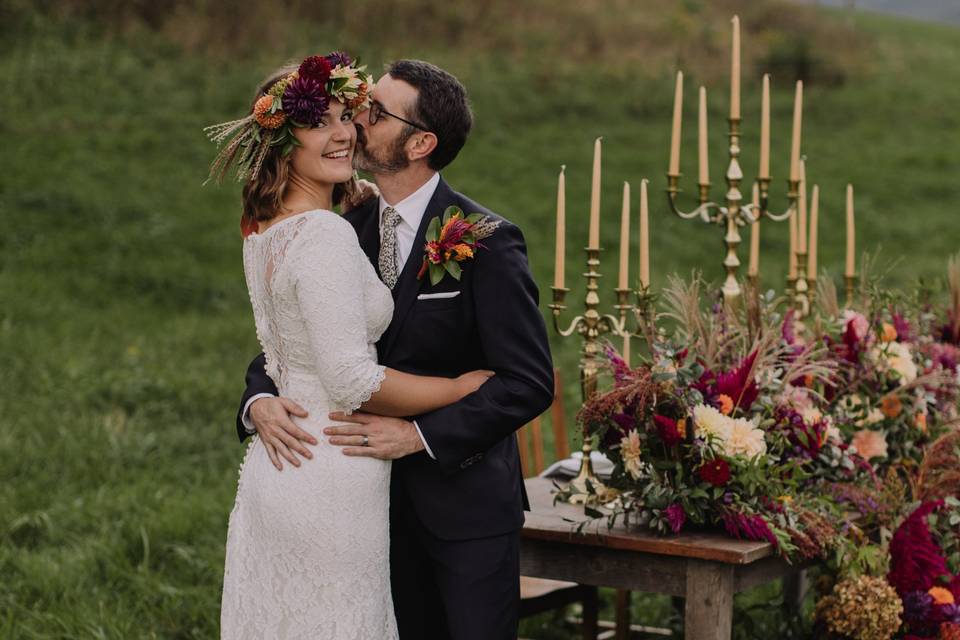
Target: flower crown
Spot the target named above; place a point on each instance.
(299, 99)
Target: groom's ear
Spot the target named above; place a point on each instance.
(421, 145)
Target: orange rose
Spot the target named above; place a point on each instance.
(921, 421)
(682, 427)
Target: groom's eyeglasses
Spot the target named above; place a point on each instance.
(377, 111)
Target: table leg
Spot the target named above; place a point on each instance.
(708, 610)
(794, 588)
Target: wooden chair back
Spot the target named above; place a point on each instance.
(532, 460)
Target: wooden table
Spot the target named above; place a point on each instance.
(703, 568)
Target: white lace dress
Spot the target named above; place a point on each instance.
(308, 548)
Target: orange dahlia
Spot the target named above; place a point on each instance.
(261, 113)
(941, 595)
(726, 404)
(891, 406)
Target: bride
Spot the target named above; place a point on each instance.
(308, 550)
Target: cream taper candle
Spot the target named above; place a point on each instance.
(797, 121)
(814, 223)
(644, 236)
(558, 277)
(594, 240)
(675, 131)
(623, 282)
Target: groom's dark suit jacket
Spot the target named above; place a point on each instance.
(474, 488)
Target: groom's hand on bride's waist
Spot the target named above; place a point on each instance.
(374, 436)
(280, 436)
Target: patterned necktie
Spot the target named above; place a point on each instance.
(388, 247)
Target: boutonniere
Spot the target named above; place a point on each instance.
(453, 240)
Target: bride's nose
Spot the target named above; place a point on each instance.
(343, 131)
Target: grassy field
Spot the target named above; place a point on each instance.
(125, 325)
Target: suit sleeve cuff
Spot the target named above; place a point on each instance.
(422, 439)
(245, 418)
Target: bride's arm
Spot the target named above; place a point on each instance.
(404, 394)
(328, 264)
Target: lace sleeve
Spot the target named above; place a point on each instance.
(327, 272)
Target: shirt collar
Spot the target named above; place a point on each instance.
(412, 208)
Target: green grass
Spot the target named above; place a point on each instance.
(125, 325)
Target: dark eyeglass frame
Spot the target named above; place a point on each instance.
(377, 110)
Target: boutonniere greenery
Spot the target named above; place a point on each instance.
(452, 240)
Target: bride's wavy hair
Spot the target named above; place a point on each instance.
(262, 197)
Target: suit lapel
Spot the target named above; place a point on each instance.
(405, 292)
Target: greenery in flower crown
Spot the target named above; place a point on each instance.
(299, 99)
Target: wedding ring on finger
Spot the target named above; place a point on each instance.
(365, 442)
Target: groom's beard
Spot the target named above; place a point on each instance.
(392, 160)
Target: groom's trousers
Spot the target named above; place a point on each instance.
(452, 589)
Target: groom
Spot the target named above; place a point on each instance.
(457, 494)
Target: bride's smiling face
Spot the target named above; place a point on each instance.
(326, 156)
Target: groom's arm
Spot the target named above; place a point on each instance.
(258, 383)
(514, 342)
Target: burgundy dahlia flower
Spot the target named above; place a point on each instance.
(305, 101)
(316, 68)
(716, 472)
(667, 430)
(338, 58)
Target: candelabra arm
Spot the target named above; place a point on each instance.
(705, 211)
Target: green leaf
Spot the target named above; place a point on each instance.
(433, 229)
(474, 218)
(436, 273)
(453, 268)
(449, 212)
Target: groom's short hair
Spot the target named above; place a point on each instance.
(441, 106)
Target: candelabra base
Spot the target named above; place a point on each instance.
(586, 487)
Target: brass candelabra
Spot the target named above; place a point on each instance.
(734, 213)
(591, 326)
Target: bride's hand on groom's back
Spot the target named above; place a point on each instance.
(471, 381)
(280, 436)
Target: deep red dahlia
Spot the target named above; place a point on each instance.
(667, 430)
(716, 472)
(316, 68)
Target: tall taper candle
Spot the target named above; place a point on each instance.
(644, 236)
(754, 268)
(795, 145)
(594, 240)
(735, 71)
(792, 271)
(765, 129)
(802, 210)
(675, 131)
(623, 282)
(704, 177)
(851, 269)
(558, 279)
(814, 222)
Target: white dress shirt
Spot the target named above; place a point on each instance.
(411, 210)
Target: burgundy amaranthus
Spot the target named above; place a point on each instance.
(749, 527)
(916, 560)
(676, 517)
